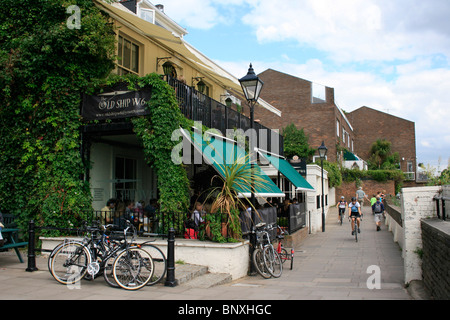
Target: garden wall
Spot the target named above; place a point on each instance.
(370, 187)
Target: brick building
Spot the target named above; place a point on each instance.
(370, 125)
(309, 106)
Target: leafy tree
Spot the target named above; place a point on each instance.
(381, 156)
(296, 143)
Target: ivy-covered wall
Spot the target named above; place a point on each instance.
(45, 67)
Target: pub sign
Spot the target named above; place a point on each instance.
(116, 104)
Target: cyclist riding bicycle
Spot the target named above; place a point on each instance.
(342, 205)
(354, 213)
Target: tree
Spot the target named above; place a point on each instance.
(381, 156)
(296, 143)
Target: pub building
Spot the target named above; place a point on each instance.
(148, 41)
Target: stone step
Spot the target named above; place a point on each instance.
(186, 272)
(209, 280)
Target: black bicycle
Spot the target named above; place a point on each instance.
(265, 258)
(122, 263)
(356, 228)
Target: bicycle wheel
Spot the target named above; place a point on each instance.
(283, 255)
(68, 263)
(133, 268)
(159, 261)
(108, 272)
(272, 261)
(258, 262)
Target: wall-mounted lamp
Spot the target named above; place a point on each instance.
(200, 84)
(161, 59)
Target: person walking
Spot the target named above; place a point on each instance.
(378, 210)
(354, 213)
(360, 195)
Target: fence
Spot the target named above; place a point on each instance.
(296, 219)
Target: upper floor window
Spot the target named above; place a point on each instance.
(128, 53)
(338, 129)
(318, 94)
(147, 15)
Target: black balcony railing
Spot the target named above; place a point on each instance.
(213, 114)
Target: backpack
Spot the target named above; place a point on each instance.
(378, 207)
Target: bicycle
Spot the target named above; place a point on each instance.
(356, 228)
(282, 252)
(72, 260)
(265, 258)
(341, 215)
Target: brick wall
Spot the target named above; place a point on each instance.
(370, 125)
(292, 96)
(370, 187)
(435, 259)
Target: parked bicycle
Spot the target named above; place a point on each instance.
(265, 258)
(282, 251)
(122, 263)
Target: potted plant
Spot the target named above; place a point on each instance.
(223, 221)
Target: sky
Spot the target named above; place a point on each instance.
(392, 56)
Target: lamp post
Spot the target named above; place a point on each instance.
(251, 86)
(322, 153)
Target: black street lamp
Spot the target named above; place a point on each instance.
(322, 153)
(251, 85)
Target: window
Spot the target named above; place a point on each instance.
(128, 53)
(317, 93)
(338, 129)
(147, 15)
(409, 166)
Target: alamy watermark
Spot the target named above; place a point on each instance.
(374, 280)
(74, 21)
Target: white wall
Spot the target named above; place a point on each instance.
(314, 177)
(417, 204)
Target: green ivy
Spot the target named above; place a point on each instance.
(44, 68)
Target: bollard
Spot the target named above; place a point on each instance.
(170, 278)
(31, 243)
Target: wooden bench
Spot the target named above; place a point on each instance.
(11, 234)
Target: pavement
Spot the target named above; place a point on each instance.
(328, 265)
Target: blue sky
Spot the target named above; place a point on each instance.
(392, 56)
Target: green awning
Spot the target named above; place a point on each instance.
(287, 170)
(224, 154)
(348, 156)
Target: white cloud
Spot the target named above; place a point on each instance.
(355, 30)
(405, 41)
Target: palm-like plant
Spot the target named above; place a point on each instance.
(237, 178)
